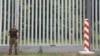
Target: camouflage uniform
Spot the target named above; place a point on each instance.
(13, 40)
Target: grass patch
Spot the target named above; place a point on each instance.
(32, 54)
(42, 54)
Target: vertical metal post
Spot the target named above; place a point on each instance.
(36, 18)
(40, 22)
(96, 23)
(55, 22)
(21, 6)
(77, 6)
(44, 22)
(28, 22)
(47, 35)
(66, 23)
(73, 22)
(9, 14)
(4, 30)
(99, 23)
(32, 21)
(69, 21)
(93, 41)
(58, 21)
(0, 19)
(81, 21)
(51, 21)
(17, 13)
(62, 37)
(12, 4)
(24, 21)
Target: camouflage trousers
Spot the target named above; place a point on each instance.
(13, 41)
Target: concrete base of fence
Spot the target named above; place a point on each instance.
(27, 48)
(87, 53)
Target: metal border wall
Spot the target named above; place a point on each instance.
(50, 22)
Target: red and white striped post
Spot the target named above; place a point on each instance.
(86, 35)
(86, 51)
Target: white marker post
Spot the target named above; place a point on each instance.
(86, 40)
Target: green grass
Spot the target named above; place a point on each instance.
(44, 54)
(41, 54)
(31, 54)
